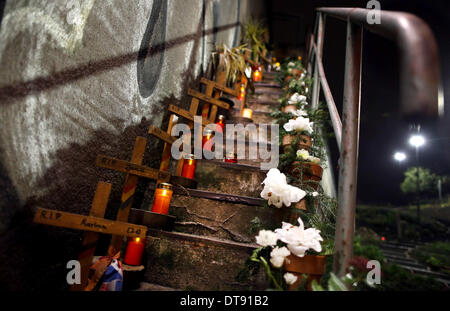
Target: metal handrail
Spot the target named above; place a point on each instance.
(419, 84)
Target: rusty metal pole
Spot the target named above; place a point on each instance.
(345, 222)
(318, 52)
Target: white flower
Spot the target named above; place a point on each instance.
(314, 160)
(298, 239)
(291, 64)
(299, 113)
(296, 98)
(303, 154)
(289, 278)
(266, 238)
(290, 70)
(315, 194)
(278, 192)
(278, 255)
(248, 72)
(302, 76)
(299, 124)
(306, 90)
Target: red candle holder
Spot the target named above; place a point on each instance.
(134, 251)
(207, 140)
(231, 157)
(220, 123)
(189, 166)
(257, 73)
(163, 195)
(242, 92)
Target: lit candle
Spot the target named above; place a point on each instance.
(257, 76)
(207, 142)
(231, 157)
(189, 166)
(242, 92)
(220, 123)
(163, 195)
(134, 251)
(247, 113)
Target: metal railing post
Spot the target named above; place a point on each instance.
(318, 53)
(345, 222)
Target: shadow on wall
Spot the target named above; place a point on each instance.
(34, 256)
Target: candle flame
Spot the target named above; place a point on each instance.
(137, 239)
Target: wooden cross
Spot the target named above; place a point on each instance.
(189, 115)
(93, 224)
(133, 169)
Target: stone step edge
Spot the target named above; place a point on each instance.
(152, 287)
(257, 112)
(234, 166)
(263, 102)
(210, 195)
(274, 85)
(248, 247)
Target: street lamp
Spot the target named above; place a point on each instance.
(400, 156)
(417, 141)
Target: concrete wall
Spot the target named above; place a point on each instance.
(83, 77)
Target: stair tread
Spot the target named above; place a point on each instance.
(203, 239)
(233, 166)
(145, 287)
(231, 198)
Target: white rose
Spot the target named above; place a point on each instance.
(298, 239)
(278, 255)
(303, 154)
(289, 278)
(312, 159)
(299, 124)
(266, 238)
(278, 192)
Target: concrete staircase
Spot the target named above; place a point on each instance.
(216, 223)
(400, 254)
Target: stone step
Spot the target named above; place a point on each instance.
(395, 247)
(146, 287)
(258, 116)
(225, 216)
(191, 262)
(264, 97)
(436, 275)
(263, 106)
(405, 262)
(231, 178)
(230, 217)
(269, 83)
(401, 256)
(269, 91)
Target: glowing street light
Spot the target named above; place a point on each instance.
(417, 141)
(400, 156)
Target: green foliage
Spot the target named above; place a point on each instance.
(384, 222)
(436, 255)
(254, 36)
(234, 61)
(372, 252)
(419, 180)
(334, 284)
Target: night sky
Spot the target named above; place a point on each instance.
(383, 130)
